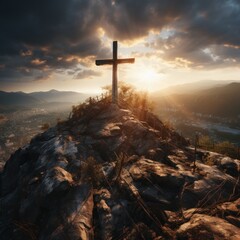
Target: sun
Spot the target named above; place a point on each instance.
(145, 75)
(148, 79)
(149, 74)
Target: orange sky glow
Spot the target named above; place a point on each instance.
(172, 43)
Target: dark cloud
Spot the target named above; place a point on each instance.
(208, 36)
(131, 19)
(200, 29)
(47, 32)
(43, 36)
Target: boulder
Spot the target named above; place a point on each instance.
(229, 165)
(202, 226)
(55, 179)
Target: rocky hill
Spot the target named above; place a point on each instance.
(109, 173)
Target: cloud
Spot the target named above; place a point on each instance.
(87, 74)
(48, 35)
(131, 19)
(208, 36)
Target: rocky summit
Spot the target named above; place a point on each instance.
(109, 173)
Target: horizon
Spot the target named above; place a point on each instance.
(168, 88)
(173, 43)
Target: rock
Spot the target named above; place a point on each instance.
(233, 220)
(155, 183)
(229, 211)
(80, 129)
(104, 214)
(170, 160)
(140, 231)
(1, 166)
(203, 226)
(156, 154)
(75, 220)
(46, 136)
(113, 111)
(106, 174)
(211, 186)
(11, 168)
(140, 137)
(109, 130)
(230, 208)
(229, 166)
(56, 179)
(134, 126)
(115, 131)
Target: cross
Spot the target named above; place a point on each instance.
(114, 62)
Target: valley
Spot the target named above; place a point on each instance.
(19, 127)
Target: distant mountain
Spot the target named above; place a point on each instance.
(60, 96)
(12, 101)
(220, 101)
(17, 98)
(192, 87)
(228, 90)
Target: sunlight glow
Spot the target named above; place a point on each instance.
(147, 78)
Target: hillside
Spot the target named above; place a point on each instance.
(219, 101)
(110, 173)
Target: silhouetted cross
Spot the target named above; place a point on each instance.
(115, 61)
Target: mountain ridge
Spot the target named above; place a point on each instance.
(60, 96)
(193, 87)
(219, 101)
(17, 98)
(12, 101)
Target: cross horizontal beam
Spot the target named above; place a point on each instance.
(111, 61)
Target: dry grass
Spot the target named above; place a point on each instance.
(91, 171)
(28, 229)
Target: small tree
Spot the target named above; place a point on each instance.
(206, 142)
(226, 148)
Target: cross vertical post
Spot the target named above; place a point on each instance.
(114, 62)
(114, 74)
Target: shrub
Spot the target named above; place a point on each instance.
(206, 142)
(226, 148)
(130, 98)
(92, 171)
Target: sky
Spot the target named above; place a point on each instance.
(53, 44)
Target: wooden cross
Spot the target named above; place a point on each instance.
(115, 61)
